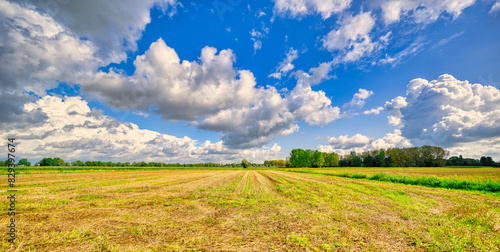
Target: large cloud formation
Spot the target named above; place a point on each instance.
(113, 26)
(73, 131)
(38, 52)
(45, 43)
(213, 95)
(446, 111)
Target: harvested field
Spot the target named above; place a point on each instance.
(245, 210)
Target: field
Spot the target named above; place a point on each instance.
(250, 210)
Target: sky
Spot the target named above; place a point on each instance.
(218, 81)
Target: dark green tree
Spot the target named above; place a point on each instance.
(24, 161)
(245, 163)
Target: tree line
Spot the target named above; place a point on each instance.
(424, 156)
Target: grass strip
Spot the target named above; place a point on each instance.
(427, 181)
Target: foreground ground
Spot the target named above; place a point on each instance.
(263, 210)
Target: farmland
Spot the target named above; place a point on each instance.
(251, 210)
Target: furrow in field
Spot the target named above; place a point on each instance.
(213, 180)
(265, 185)
(303, 177)
(243, 182)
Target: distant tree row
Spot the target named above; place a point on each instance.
(425, 156)
(310, 158)
(460, 161)
(276, 163)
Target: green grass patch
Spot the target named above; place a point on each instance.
(427, 181)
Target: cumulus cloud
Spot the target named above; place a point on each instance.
(286, 65)
(177, 89)
(374, 111)
(422, 11)
(113, 26)
(300, 8)
(311, 106)
(247, 116)
(343, 145)
(271, 117)
(358, 99)
(352, 39)
(45, 43)
(37, 52)
(315, 75)
(71, 130)
(346, 142)
(446, 111)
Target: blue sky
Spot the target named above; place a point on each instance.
(179, 81)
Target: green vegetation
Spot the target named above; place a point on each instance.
(245, 163)
(428, 181)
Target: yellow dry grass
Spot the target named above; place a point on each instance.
(245, 210)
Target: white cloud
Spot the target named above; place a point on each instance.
(343, 145)
(477, 149)
(37, 52)
(311, 106)
(346, 142)
(271, 117)
(113, 26)
(315, 75)
(394, 108)
(374, 111)
(352, 38)
(71, 130)
(247, 116)
(446, 111)
(358, 99)
(286, 65)
(422, 11)
(495, 7)
(300, 8)
(177, 89)
(255, 125)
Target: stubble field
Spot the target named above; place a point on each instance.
(248, 210)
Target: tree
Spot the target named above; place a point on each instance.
(79, 163)
(368, 160)
(331, 159)
(380, 159)
(318, 159)
(47, 162)
(297, 157)
(58, 162)
(245, 163)
(24, 161)
(483, 161)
